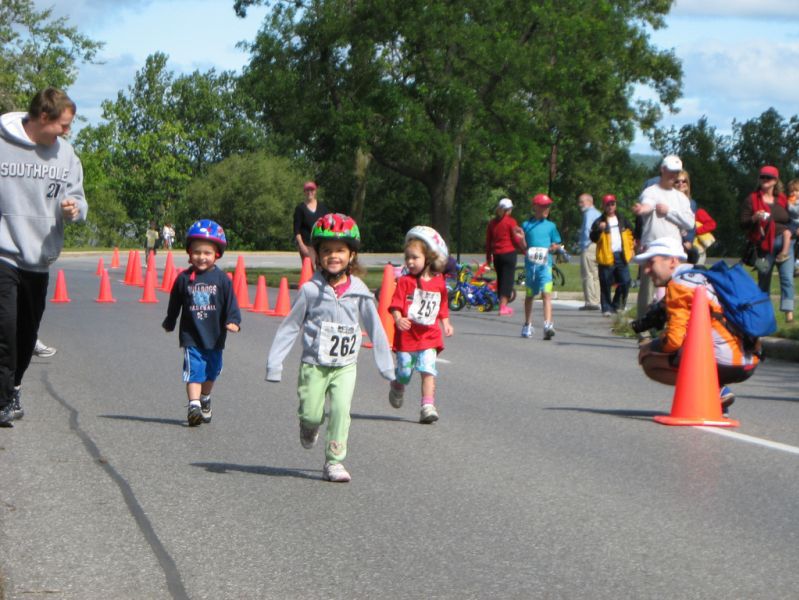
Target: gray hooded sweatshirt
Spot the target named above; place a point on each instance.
(316, 303)
(34, 180)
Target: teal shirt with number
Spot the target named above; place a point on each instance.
(540, 233)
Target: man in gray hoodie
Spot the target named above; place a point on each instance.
(41, 187)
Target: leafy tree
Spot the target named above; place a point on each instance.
(161, 134)
(521, 91)
(252, 196)
(37, 51)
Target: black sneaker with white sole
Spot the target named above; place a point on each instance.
(205, 407)
(7, 416)
(16, 406)
(195, 415)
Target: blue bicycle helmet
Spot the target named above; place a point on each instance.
(210, 231)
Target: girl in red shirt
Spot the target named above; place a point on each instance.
(418, 304)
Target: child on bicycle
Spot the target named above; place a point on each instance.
(418, 304)
(542, 239)
(327, 312)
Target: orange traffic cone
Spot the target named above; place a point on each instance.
(169, 268)
(386, 292)
(135, 273)
(242, 291)
(366, 343)
(175, 273)
(100, 267)
(240, 272)
(150, 258)
(115, 259)
(696, 395)
(306, 273)
(230, 275)
(60, 295)
(129, 269)
(261, 304)
(105, 289)
(283, 304)
(148, 296)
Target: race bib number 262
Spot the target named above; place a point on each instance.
(338, 344)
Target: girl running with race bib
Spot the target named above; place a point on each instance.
(328, 311)
(419, 303)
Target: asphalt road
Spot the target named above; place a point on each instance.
(545, 477)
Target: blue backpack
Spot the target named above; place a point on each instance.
(748, 312)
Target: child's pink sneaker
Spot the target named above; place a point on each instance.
(505, 311)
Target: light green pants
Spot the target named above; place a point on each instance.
(314, 384)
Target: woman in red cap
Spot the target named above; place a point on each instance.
(305, 215)
(765, 218)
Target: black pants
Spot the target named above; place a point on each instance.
(505, 266)
(23, 296)
(619, 274)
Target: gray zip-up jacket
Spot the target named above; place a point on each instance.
(315, 303)
(34, 180)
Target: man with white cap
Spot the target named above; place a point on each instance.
(660, 357)
(664, 212)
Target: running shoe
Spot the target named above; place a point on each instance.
(7, 416)
(336, 473)
(16, 405)
(396, 394)
(527, 330)
(549, 331)
(43, 351)
(308, 435)
(195, 414)
(205, 406)
(727, 398)
(429, 414)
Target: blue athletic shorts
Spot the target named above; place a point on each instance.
(423, 361)
(538, 278)
(200, 365)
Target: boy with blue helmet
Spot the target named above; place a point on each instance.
(203, 296)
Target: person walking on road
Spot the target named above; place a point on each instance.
(203, 297)
(503, 237)
(327, 313)
(418, 304)
(542, 239)
(41, 188)
(589, 272)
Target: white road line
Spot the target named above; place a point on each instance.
(751, 439)
(444, 360)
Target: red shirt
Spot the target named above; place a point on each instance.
(419, 337)
(499, 236)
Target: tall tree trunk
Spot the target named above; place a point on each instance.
(362, 161)
(442, 196)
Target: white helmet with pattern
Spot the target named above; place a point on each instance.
(433, 240)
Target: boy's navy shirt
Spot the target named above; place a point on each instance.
(206, 305)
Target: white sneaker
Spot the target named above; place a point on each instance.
(429, 414)
(43, 351)
(528, 330)
(396, 395)
(549, 331)
(336, 473)
(308, 435)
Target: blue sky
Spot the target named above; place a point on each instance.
(739, 57)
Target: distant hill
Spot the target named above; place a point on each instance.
(646, 160)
